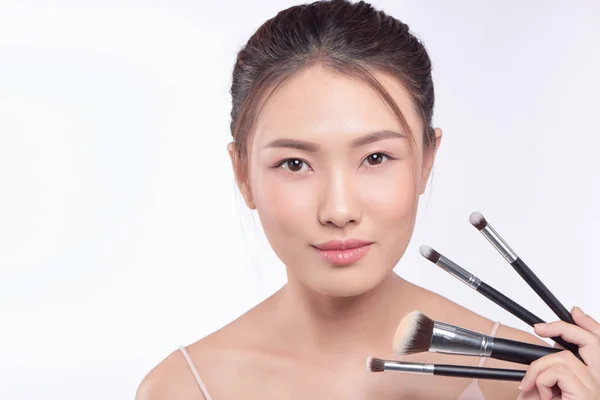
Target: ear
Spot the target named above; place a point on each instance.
(429, 158)
(241, 175)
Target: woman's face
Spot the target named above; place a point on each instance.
(329, 164)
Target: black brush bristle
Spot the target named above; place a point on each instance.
(477, 220)
(375, 364)
(421, 339)
(430, 254)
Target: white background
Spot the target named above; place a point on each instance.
(121, 232)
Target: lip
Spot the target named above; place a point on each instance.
(347, 244)
(343, 253)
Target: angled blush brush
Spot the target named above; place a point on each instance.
(417, 333)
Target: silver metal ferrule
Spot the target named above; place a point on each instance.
(458, 272)
(503, 248)
(412, 367)
(451, 339)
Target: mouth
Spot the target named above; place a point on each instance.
(343, 253)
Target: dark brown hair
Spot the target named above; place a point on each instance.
(354, 39)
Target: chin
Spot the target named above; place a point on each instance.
(348, 281)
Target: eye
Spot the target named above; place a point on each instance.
(293, 164)
(376, 158)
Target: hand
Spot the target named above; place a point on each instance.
(562, 375)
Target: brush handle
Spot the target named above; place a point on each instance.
(509, 305)
(463, 371)
(519, 352)
(521, 313)
(545, 294)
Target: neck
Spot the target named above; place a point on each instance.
(316, 322)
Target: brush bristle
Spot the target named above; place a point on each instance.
(413, 334)
(430, 254)
(375, 364)
(477, 220)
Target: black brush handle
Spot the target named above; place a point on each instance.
(509, 305)
(463, 371)
(522, 313)
(545, 294)
(519, 352)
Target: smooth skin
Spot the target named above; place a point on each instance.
(320, 169)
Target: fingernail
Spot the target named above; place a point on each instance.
(579, 310)
(540, 325)
(522, 384)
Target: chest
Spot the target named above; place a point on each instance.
(334, 381)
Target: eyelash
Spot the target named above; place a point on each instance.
(381, 153)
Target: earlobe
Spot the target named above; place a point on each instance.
(247, 193)
(241, 176)
(429, 158)
(231, 151)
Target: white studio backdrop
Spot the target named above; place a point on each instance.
(122, 235)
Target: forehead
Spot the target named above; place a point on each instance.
(316, 104)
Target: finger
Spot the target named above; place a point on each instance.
(547, 393)
(530, 395)
(588, 342)
(565, 358)
(534, 394)
(562, 376)
(571, 333)
(585, 321)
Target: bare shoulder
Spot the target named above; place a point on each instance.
(215, 359)
(173, 378)
(170, 379)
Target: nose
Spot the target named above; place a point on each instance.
(339, 205)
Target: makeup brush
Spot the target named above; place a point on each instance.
(457, 371)
(478, 221)
(417, 333)
(475, 283)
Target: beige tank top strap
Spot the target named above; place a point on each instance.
(192, 367)
(492, 333)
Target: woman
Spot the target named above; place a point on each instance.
(333, 145)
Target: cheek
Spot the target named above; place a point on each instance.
(391, 211)
(393, 201)
(283, 206)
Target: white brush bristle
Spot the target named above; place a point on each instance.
(426, 251)
(476, 218)
(405, 331)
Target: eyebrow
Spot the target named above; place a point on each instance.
(313, 147)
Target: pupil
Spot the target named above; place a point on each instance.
(295, 165)
(375, 158)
